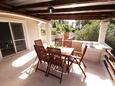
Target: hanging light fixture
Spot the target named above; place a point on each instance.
(50, 9)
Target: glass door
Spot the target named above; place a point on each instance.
(18, 36)
(6, 42)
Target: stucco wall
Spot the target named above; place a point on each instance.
(33, 33)
(31, 29)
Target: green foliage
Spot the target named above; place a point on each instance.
(73, 30)
(66, 28)
(53, 32)
(60, 26)
(88, 32)
(110, 38)
(84, 22)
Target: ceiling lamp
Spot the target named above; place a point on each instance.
(50, 9)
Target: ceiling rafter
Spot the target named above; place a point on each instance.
(57, 3)
(93, 11)
(9, 9)
(80, 16)
(96, 7)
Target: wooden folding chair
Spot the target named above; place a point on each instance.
(38, 42)
(56, 60)
(42, 56)
(67, 43)
(77, 48)
(58, 41)
(79, 59)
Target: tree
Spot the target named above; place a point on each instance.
(89, 31)
(110, 37)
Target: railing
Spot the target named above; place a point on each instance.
(109, 62)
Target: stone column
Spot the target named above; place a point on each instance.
(49, 27)
(103, 30)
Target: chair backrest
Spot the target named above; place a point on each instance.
(67, 43)
(77, 46)
(66, 35)
(58, 41)
(41, 53)
(54, 55)
(84, 51)
(38, 42)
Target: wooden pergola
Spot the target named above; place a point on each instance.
(61, 9)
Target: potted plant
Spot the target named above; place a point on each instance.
(66, 33)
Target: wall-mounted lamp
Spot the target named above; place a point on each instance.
(50, 9)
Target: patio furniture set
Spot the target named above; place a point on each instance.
(56, 57)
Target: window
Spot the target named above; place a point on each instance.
(17, 30)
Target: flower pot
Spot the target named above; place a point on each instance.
(66, 35)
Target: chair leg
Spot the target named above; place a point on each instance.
(61, 75)
(70, 64)
(37, 66)
(82, 70)
(46, 74)
(84, 64)
(36, 58)
(48, 70)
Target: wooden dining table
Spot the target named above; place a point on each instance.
(64, 50)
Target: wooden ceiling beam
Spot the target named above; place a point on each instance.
(6, 9)
(96, 7)
(79, 16)
(57, 3)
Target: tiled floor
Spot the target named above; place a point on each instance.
(18, 70)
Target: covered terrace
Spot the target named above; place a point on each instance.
(17, 67)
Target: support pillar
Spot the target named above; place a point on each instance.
(49, 27)
(103, 30)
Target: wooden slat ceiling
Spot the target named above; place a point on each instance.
(62, 9)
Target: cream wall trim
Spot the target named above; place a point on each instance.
(22, 16)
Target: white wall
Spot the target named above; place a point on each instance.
(31, 29)
(33, 33)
